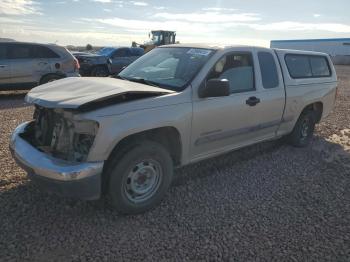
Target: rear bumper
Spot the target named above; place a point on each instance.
(80, 180)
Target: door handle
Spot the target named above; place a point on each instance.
(252, 101)
(3, 66)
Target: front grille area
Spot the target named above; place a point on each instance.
(52, 133)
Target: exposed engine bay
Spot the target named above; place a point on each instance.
(54, 132)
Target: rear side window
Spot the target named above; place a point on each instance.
(298, 66)
(43, 52)
(319, 66)
(3, 49)
(307, 66)
(136, 51)
(19, 51)
(268, 69)
(121, 53)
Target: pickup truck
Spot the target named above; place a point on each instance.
(174, 106)
(107, 61)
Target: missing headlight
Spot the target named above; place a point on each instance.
(81, 145)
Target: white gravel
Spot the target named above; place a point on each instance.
(269, 202)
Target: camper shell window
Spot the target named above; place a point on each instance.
(307, 66)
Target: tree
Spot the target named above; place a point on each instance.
(88, 47)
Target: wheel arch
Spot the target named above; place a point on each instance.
(61, 75)
(316, 107)
(167, 136)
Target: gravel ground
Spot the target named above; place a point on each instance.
(268, 202)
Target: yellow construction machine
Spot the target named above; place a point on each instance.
(157, 38)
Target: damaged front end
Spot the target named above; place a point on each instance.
(55, 132)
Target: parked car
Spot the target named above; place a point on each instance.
(107, 61)
(174, 106)
(25, 65)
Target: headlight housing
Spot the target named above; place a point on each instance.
(57, 133)
(83, 138)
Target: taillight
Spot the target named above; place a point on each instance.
(76, 64)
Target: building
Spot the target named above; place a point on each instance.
(337, 48)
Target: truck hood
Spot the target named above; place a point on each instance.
(78, 92)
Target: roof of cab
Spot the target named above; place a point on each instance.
(218, 47)
(206, 46)
(210, 46)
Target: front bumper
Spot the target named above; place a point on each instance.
(80, 180)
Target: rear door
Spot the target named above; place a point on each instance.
(270, 92)
(5, 65)
(45, 61)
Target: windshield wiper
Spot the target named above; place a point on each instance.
(143, 81)
(120, 77)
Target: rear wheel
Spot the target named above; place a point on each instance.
(99, 71)
(49, 78)
(140, 177)
(303, 129)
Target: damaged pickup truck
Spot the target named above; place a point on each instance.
(176, 105)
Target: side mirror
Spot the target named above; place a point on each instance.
(215, 88)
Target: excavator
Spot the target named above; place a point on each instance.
(157, 38)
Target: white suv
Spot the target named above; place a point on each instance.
(25, 65)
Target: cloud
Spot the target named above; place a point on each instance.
(18, 7)
(316, 15)
(147, 25)
(160, 7)
(218, 9)
(102, 1)
(96, 36)
(298, 26)
(139, 3)
(210, 17)
(10, 21)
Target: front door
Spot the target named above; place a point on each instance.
(223, 123)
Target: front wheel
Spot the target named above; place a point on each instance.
(303, 130)
(140, 177)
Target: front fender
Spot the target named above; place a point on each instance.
(114, 128)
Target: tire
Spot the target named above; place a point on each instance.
(139, 177)
(49, 78)
(303, 130)
(99, 71)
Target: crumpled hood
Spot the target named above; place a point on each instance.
(74, 92)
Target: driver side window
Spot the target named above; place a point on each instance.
(238, 69)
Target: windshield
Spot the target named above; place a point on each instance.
(106, 51)
(156, 38)
(169, 67)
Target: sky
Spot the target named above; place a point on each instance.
(224, 22)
